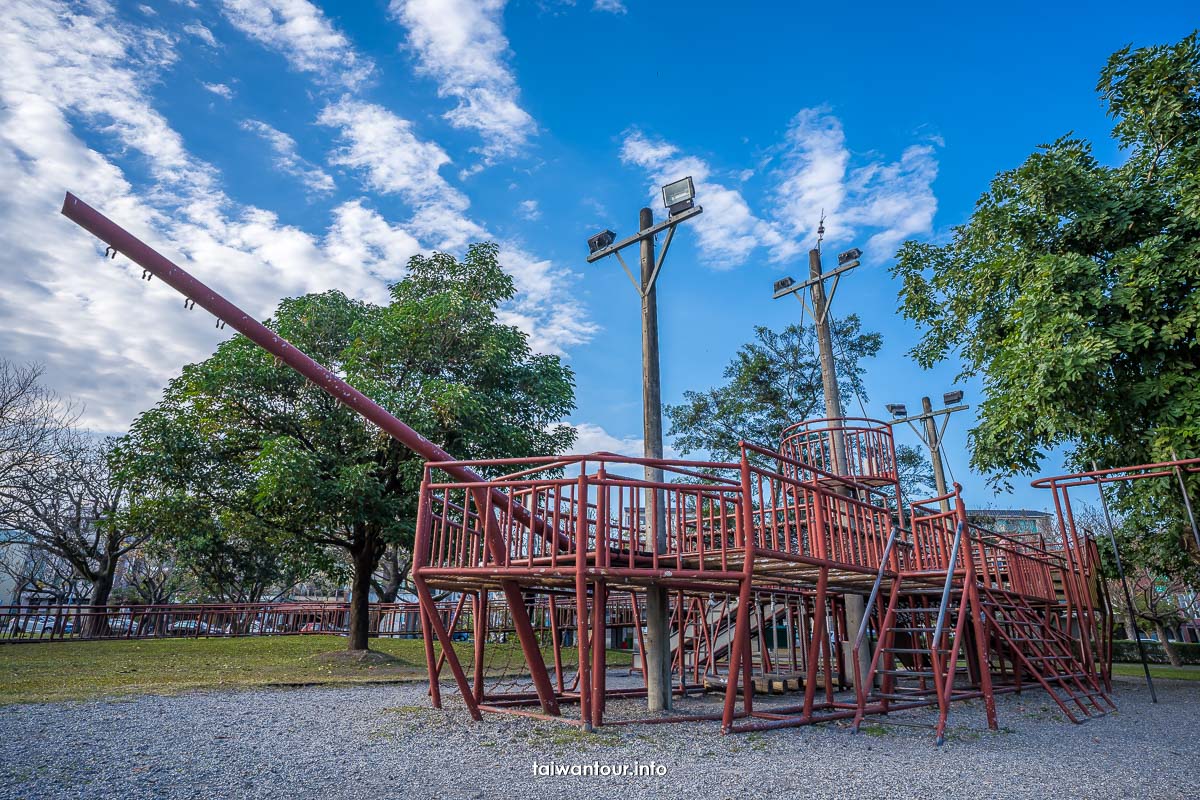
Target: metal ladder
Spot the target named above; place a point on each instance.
(919, 643)
(1044, 652)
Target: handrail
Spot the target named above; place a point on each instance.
(846, 480)
(862, 627)
(941, 620)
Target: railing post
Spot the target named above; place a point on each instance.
(739, 647)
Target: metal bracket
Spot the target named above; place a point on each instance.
(669, 225)
(658, 264)
(636, 287)
(669, 222)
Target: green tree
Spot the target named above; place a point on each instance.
(253, 440)
(1072, 289)
(775, 381)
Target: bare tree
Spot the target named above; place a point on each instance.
(59, 492)
(392, 573)
(152, 577)
(32, 418)
(73, 507)
(36, 574)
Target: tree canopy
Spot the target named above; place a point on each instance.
(257, 453)
(1072, 289)
(775, 381)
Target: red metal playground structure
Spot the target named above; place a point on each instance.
(759, 557)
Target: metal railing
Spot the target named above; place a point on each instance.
(49, 623)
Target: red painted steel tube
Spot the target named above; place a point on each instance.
(181, 281)
(177, 278)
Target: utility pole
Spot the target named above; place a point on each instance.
(854, 604)
(658, 612)
(833, 398)
(931, 437)
(678, 197)
(935, 450)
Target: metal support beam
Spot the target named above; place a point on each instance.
(643, 233)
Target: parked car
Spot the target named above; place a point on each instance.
(45, 624)
(323, 627)
(188, 627)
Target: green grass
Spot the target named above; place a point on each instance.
(54, 671)
(1185, 673)
(83, 670)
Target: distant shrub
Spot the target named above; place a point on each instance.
(1127, 650)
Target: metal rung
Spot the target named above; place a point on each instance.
(908, 672)
(914, 650)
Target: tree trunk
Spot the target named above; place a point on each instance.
(389, 587)
(1167, 646)
(1130, 625)
(365, 554)
(97, 624)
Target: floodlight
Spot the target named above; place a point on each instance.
(678, 196)
(601, 240)
(897, 409)
(950, 398)
(848, 256)
(783, 283)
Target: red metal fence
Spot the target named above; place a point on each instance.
(48, 623)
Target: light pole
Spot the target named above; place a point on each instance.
(855, 604)
(678, 197)
(820, 312)
(932, 435)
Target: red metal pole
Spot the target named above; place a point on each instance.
(181, 281)
(740, 645)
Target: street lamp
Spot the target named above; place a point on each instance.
(679, 199)
(932, 436)
(678, 196)
(601, 240)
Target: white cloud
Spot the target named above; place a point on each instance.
(529, 210)
(359, 235)
(110, 339)
(461, 45)
(202, 33)
(611, 6)
(893, 199)
(591, 438)
(287, 159)
(105, 336)
(219, 89)
(889, 201)
(392, 158)
(301, 33)
(728, 230)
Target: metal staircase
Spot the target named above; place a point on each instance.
(1041, 650)
(921, 636)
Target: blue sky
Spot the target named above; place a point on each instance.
(282, 147)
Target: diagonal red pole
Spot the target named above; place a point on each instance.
(180, 280)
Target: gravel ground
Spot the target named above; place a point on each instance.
(384, 742)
